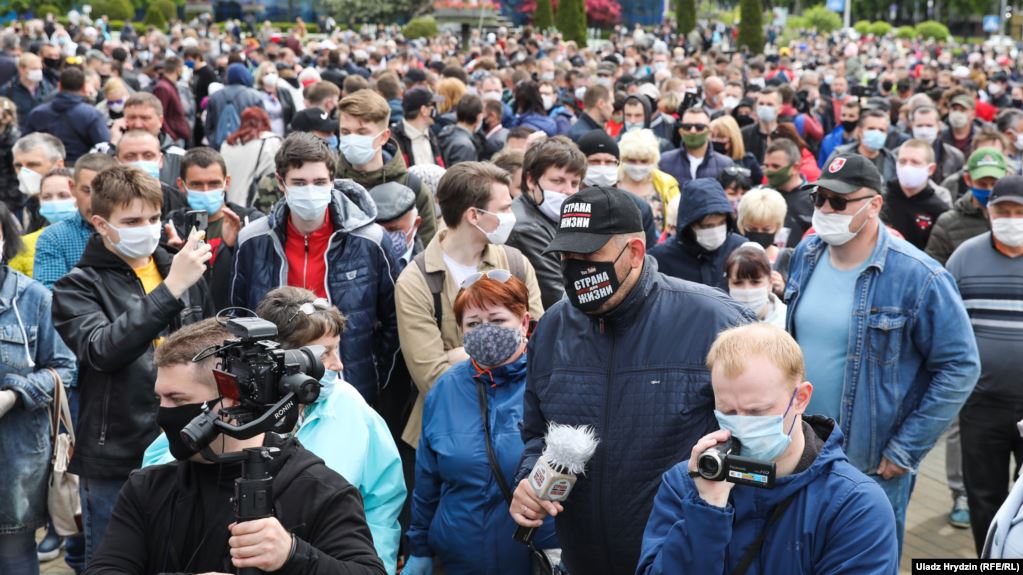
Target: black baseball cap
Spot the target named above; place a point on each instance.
(314, 120)
(847, 173)
(414, 76)
(1007, 189)
(417, 98)
(592, 217)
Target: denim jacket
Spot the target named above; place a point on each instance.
(28, 345)
(912, 358)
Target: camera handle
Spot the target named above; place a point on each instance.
(253, 491)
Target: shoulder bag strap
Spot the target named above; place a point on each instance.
(491, 457)
(754, 549)
(516, 262)
(253, 183)
(434, 281)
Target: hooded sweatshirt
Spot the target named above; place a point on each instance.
(75, 122)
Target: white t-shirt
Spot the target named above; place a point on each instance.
(694, 164)
(458, 271)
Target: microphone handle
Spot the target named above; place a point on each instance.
(524, 535)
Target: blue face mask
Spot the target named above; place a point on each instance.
(209, 202)
(630, 127)
(332, 142)
(151, 168)
(874, 139)
(981, 195)
(762, 437)
(190, 64)
(357, 149)
(58, 210)
(327, 384)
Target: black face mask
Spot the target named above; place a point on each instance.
(52, 63)
(590, 284)
(721, 147)
(849, 125)
(172, 420)
(1017, 104)
(763, 238)
(744, 121)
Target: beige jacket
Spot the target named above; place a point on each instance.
(422, 345)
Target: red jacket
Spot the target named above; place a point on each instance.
(175, 124)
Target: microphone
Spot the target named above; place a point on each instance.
(567, 450)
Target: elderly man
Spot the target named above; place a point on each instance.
(29, 89)
(70, 117)
(143, 111)
(34, 156)
(141, 149)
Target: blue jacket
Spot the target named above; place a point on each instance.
(637, 375)
(831, 141)
(536, 121)
(681, 256)
(27, 335)
(839, 522)
(583, 124)
(912, 356)
(676, 163)
(459, 512)
(563, 118)
(73, 121)
(25, 101)
(359, 280)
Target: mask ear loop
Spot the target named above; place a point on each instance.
(791, 399)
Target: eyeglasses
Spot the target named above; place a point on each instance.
(311, 307)
(687, 127)
(838, 204)
(497, 275)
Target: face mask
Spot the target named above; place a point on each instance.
(849, 125)
(765, 239)
(1009, 231)
(137, 242)
(1017, 103)
(981, 195)
(505, 223)
(874, 139)
(720, 147)
(912, 177)
(57, 210)
(638, 172)
(604, 81)
(833, 229)
(605, 176)
(327, 384)
(660, 66)
(995, 90)
(731, 102)
(35, 76)
(332, 142)
(52, 63)
(778, 178)
(926, 133)
(590, 284)
(695, 141)
(548, 101)
(551, 206)
(209, 202)
(150, 168)
(767, 114)
(172, 420)
(629, 126)
(308, 202)
(493, 95)
(580, 92)
(711, 239)
(270, 80)
(358, 150)
(958, 120)
(839, 95)
(757, 82)
(491, 345)
(190, 64)
(762, 437)
(829, 78)
(116, 106)
(29, 182)
(1018, 142)
(753, 298)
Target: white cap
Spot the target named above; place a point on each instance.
(650, 91)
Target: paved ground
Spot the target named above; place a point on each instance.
(928, 534)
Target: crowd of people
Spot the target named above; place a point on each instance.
(662, 237)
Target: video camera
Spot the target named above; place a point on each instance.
(267, 382)
(720, 463)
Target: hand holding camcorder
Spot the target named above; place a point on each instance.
(716, 466)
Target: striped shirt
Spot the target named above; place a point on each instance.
(59, 248)
(991, 285)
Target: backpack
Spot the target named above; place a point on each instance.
(435, 280)
(228, 123)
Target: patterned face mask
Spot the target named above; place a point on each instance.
(490, 345)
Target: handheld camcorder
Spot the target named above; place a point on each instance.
(267, 382)
(721, 463)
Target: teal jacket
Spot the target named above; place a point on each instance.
(353, 440)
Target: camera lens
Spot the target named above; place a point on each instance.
(306, 359)
(709, 465)
(199, 432)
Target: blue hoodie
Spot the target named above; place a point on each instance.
(839, 522)
(681, 256)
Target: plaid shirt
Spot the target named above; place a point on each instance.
(59, 248)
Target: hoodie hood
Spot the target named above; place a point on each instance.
(965, 205)
(239, 74)
(643, 101)
(702, 197)
(393, 168)
(350, 208)
(64, 101)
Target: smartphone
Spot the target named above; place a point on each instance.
(197, 220)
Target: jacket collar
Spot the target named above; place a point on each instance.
(629, 308)
(815, 248)
(435, 255)
(498, 376)
(10, 286)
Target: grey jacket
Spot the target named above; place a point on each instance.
(964, 221)
(458, 145)
(532, 234)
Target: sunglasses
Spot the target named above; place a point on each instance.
(687, 127)
(311, 307)
(838, 204)
(734, 171)
(497, 275)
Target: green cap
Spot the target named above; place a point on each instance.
(986, 162)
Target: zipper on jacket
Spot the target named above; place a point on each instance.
(106, 409)
(305, 264)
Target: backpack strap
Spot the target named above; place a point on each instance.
(516, 262)
(434, 281)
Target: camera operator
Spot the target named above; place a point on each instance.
(837, 518)
(178, 517)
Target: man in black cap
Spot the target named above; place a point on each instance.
(622, 356)
(416, 140)
(319, 123)
(602, 156)
(397, 214)
(887, 341)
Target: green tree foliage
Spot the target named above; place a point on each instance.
(880, 28)
(824, 20)
(45, 9)
(751, 25)
(543, 18)
(420, 27)
(114, 9)
(169, 8)
(862, 27)
(685, 14)
(932, 29)
(562, 15)
(155, 17)
(905, 33)
(349, 13)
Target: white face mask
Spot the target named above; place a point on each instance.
(833, 229)
(958, 120)
(711, 239)
(270, 80)
(731, 102)
(492, 95)
(995, 90)
(638, 172)
(548, 101)
(35, 76)
(1018, 143)
(605, 176)
(551, 206)
(137, 242)
(754, 298)
(1009, 231)
(505, 223)
(767, 114)
(308, 202)
(926, 133)
(912, 177)
(29, 182)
